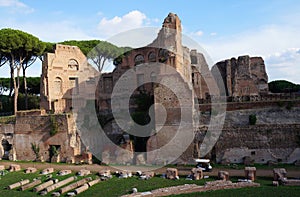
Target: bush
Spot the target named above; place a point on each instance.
(290, 105)
(252, 119)
(36, 149)
(54, 125)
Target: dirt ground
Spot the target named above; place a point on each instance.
(182, 170)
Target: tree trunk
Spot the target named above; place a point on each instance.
(15, 89)
(25, 88)
(11, 86)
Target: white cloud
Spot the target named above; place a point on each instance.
(16, 6)
(264, 41)
(197, 33)
(284, 65)
(117, 24)
(213, 34)
(52, 31)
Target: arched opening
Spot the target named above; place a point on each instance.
(152, 57)
(73, 64)
(163, 55)
(7, 148)
(57, 86)
(139, 59)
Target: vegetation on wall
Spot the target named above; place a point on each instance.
(252, 119)
(7, 120)
(54, 125)
(290, 105)
(36, 149)
(54, 151)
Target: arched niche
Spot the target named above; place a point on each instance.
(73, 64)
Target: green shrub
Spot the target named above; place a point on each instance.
(36, 149)
(252, 119)
(290, 105)
(280, 103)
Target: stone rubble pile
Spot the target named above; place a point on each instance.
(280, 177)
(172, 173)
(47, 171)
(250, 173)
(223, 175)
(30, 170)
(64, 172)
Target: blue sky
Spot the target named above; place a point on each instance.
(226, 29)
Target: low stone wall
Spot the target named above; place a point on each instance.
(262, 143)
(43, 130)
(233, 106)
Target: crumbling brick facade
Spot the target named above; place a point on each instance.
(66, 72)
(62, 74)
(242, 76)
(245, 76)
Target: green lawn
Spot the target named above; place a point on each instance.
(266, 189)
(112, 187)
(117, 187)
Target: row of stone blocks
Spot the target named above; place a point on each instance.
(280, 177)
(197, 174)
(51, 184)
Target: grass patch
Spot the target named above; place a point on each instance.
(13, 177)
(112, 187)
(7, 119)
(118, 187)
(266, 189)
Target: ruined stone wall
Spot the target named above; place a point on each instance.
(6, 138)
(275, 137)
(36, 129)
(262, 143)
(235, 106)
(243, 76)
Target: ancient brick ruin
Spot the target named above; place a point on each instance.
(62, 76)
(66, 72)
(242, 77)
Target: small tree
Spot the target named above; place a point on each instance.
(252, 119)
(98, 52)
(19, 49)
(36, 149)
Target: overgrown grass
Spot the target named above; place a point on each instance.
(7, 119)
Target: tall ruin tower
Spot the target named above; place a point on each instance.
(169, 39)
(178, 98)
